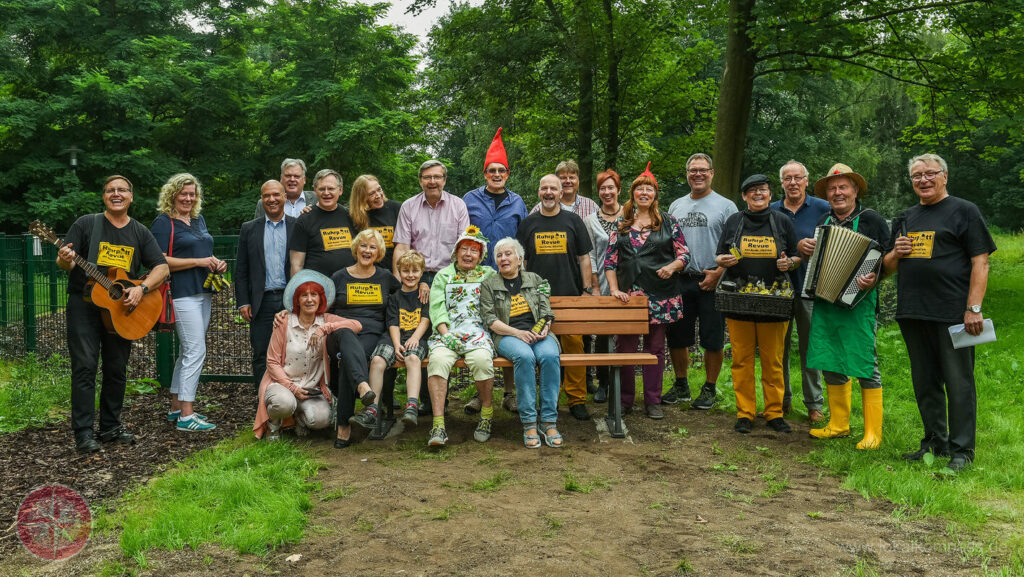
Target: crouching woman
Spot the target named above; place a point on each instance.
(294, 390)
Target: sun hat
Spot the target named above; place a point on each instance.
(302, 277)
(840, 169)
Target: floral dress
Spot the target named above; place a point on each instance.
(455, 301)
(662, 311)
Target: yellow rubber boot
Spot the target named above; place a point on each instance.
(872, 419)
(839, 412)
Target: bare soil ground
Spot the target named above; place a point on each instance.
(661, 502)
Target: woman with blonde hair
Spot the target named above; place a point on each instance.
(181, 232)
(369, 208)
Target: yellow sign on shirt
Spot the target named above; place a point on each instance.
(336, 238)
(116, 255)
(923, 242)
(364, 293)
(519, 306)
(550, 242)
(758, 247)
(388, 232)
(408, 320)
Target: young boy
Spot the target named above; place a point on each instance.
(408, 328)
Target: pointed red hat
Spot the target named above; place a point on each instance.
(496, 152)
(647, 173)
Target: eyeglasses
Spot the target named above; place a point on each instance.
(759, 190)
(119, 190)
(699, 171)
(790, 179)
(329, 189)
(497, 171)
(431, 177)
(930, 175)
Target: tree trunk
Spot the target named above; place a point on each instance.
(611, 149)
(585, 117)
(734, 100)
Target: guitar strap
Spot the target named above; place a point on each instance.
(94, 237)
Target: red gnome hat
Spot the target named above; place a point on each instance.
(496, 152)
(648, 174)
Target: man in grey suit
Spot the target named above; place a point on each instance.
(297, 200)
(261, 271)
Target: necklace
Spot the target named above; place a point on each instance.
(616, 213)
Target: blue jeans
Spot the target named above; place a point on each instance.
(525, 358)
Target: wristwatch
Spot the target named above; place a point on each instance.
(589, 290)
(145, 289)
(974, 308)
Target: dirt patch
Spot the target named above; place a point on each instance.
(683, 493)
(35, 457)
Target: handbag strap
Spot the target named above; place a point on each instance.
(170, 243)
(94, 237)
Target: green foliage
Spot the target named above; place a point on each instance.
(240, 494)
(33, 392)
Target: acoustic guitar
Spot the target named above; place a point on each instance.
(108, 292)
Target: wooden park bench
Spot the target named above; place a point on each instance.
(584, 315)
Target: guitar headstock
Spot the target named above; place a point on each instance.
(43, 231)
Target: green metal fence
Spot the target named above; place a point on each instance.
(33, 298)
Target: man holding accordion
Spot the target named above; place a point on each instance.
(843, 272)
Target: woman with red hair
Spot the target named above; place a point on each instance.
(644, 254)
(295, 387)
(600, 225)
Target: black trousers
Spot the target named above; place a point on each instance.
(88, 339)
(346, 373)
(260, 330)
(943, 386)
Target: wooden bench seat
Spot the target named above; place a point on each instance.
(585, 315)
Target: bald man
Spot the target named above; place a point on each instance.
(261, 271)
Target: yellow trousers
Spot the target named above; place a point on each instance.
(746, 338)
(575, 381)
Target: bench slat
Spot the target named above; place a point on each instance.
(589, 302)
(608, 314)
(600, 328)
(581, 360)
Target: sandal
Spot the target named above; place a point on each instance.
(550, 438)
(531, 441)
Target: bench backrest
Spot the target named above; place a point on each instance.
(589, 315)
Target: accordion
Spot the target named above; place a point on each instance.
(840, 256)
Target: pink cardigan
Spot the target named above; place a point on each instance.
(275, 367)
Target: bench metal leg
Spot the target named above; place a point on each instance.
(614, 418)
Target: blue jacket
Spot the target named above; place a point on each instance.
(495, 224)
(804, 220)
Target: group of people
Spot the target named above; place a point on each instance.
(336, 296)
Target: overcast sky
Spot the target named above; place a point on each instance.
(420, 25)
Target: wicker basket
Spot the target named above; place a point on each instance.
(768, 306)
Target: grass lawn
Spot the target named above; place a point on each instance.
(33, 392)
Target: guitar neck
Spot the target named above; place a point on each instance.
(87, 267)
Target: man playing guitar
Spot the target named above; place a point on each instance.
(108, 239)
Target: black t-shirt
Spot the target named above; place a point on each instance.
(384, 219)
(759, 247)
(326, 238)
(934, 281)
(520, 317)
(405, 311)
(129, 247)
(364, 299)
(553, 246)
(497, 198)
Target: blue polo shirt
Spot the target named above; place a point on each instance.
(804, 220)
(494, 223)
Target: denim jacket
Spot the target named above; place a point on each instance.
(496, 303)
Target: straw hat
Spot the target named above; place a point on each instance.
(840, 169)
